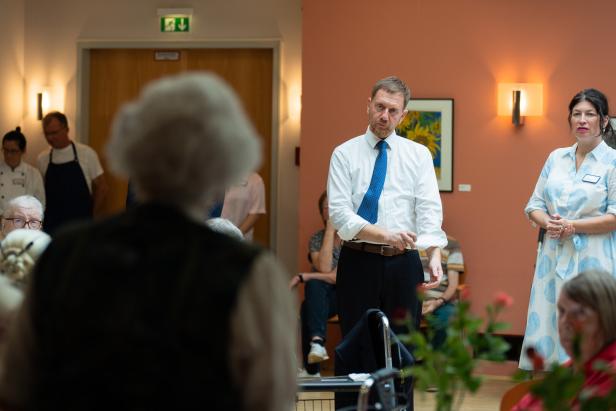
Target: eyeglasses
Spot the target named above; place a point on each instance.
(50, 133)
(21, 223)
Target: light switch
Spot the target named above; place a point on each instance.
(464, 187)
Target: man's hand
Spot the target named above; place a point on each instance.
(401, 240)
(429, 306)
(435, 267)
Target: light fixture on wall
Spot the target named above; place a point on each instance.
(520, 100)
(42, 104)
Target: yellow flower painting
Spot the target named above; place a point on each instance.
(424, 127)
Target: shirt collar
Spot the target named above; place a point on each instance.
(373, 140)
(598, 152)
(18, 168)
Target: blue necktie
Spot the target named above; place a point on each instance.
(369, 207)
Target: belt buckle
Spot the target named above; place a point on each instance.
(383, 251)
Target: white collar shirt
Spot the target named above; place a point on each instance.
(23, 179)
(410, 200)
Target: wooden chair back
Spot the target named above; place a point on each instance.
(514, 394)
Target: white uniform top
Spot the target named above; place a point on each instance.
(88, 160)
(245, 198)
(24, 179)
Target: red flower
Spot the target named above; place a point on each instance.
(536, 359)
(503, 300)
(400, 316)
(465, 292)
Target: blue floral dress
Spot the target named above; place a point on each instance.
(587, 192)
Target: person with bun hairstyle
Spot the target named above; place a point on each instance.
(17, 177)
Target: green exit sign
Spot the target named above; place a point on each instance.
(174, 24)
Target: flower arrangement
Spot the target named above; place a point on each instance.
(449, 368)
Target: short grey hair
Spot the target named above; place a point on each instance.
(596, 290)
(392, 84)
(184, 140)
(224, 226)
(25, 201)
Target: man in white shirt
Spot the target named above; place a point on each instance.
(17, 177)
(75, 185)
(385, 203)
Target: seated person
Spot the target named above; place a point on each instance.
(439, 301)
(22, 212)
(18, 253)
(586, 310)
(319, 293)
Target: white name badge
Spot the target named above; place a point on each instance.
(589, 178)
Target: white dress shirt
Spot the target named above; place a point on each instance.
(22, 180)
(410, 200)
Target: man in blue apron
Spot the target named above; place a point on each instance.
(74, 181)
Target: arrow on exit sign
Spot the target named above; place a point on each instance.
(174, 24)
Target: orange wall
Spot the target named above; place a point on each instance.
(460, 50)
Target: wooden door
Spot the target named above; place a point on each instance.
(118, 75)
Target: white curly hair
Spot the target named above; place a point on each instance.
(183, 141)
(19, 251)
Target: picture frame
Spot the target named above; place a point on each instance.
(429, 121)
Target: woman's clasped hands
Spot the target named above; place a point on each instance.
(559, 228)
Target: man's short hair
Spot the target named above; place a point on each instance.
(61, 117)
(392, 84)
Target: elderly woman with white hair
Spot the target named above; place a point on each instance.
(151, 309)
(22, 212)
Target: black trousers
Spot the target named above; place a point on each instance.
(366, 280)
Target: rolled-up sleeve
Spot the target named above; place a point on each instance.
(537, 200)
(339, 192)
(428, 207)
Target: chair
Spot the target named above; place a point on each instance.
(514, 394)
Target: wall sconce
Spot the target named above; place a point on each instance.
(42, 104)
(520, 100)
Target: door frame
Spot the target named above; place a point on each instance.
(83, 96)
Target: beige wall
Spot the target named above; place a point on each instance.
(12, 65)
(461, 50)
(53, 28)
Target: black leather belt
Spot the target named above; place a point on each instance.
(384, 250)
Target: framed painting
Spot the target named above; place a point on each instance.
(430, 122)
